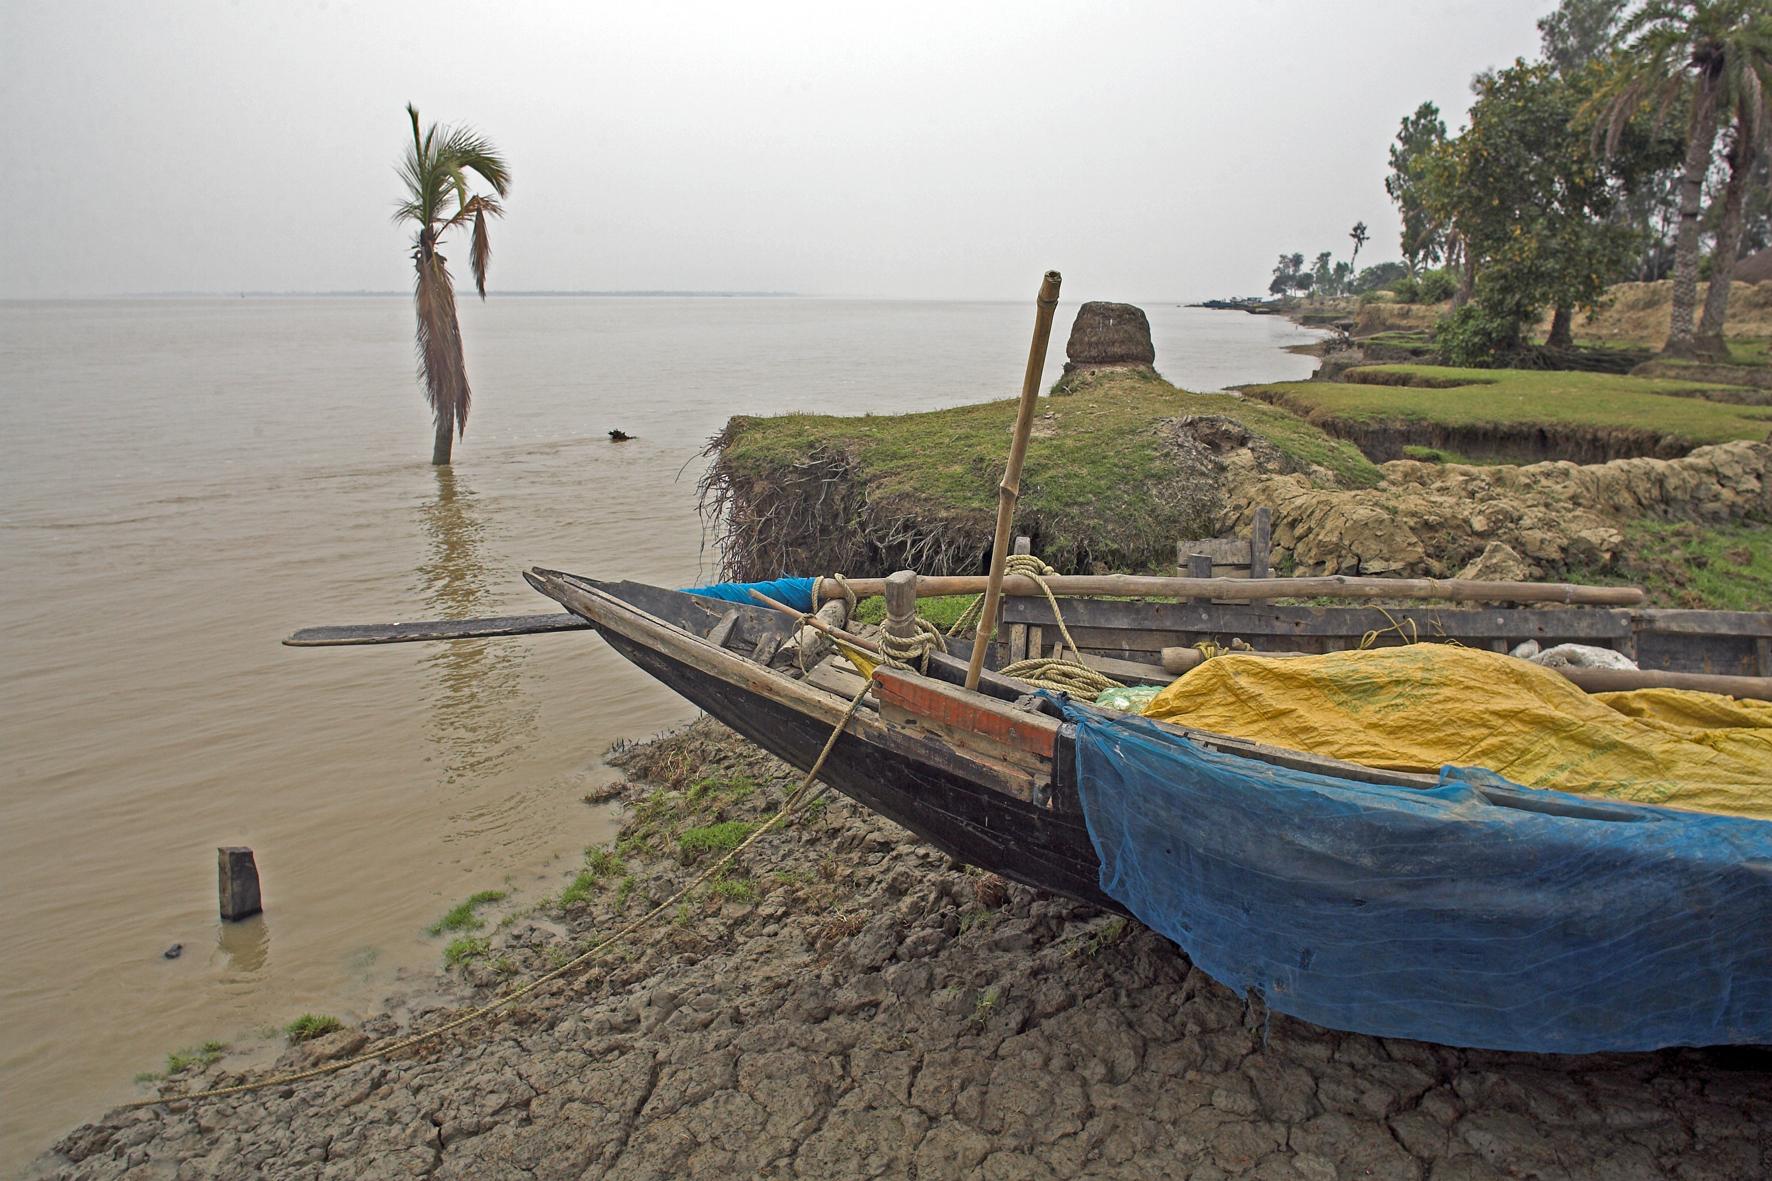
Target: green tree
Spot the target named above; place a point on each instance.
(1360, 237)
(1579, 33)
(1421, 135)
(1700, 53)
(435, 172)
(1323, 276)
(1532, 205)
(1378, 275)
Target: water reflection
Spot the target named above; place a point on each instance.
(480, 716)
(245, 945)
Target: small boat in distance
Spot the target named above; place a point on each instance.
(1455, 908)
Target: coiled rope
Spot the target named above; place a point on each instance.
(797, 801)
(1042, 672)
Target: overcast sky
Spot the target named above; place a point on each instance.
(950, 150)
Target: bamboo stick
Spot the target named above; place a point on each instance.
(1246, 589)
(1010, 489)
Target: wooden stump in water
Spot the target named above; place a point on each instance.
(237, 882)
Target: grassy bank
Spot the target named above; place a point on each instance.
(1720, 567)
(1517, 415)
(1109, 481)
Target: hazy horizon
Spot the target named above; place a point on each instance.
(1146, 150)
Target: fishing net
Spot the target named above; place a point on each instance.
(1473, 913)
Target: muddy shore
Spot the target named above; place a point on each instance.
(846, 1002)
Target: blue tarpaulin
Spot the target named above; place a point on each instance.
(793, 592)
(1546, 922)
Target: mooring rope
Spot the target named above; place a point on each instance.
(1043, 672)
(797, 800)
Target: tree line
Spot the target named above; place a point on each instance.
(1640, 135)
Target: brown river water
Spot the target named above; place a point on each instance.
(186, 481)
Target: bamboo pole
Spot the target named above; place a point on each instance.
(1010, 489)
(1247, 589)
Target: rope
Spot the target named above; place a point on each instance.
(1061, 676)
(796, 801)
(1409, 636)
(911, 651)
(1056, 673)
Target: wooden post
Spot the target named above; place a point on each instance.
(1199, 566)
(1017, 632)
(1261, 542)
(1010, 489)
(237, 882)
(901, 605)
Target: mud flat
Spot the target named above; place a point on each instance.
(846, 1002)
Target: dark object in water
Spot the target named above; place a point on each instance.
(619, 436)
(1457, 908)
(173, 952)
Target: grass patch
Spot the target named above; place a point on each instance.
(624, 891)
(461, 917)
(309, 1026)
(941, 610)
(1102, 485)
(1500, 398)
(714, 789)
(984, 1006)
(1680, 564)
(600, 866)
(201, 1056)
(467, 947)
(714, 838)
(735, 889)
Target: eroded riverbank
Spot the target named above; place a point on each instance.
(848, 1003)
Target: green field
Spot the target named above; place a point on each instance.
(1502, 398)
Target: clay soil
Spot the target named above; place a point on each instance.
(855, 1005)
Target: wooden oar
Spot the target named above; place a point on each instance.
(1010, 489)
(435, 629)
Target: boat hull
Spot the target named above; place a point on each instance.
(978, 825)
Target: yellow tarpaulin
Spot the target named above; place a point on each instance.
(1422, 706)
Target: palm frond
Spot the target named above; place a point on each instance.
(466, 148)
(482, 250)
(441, 366)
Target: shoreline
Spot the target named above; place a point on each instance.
(846, 1002)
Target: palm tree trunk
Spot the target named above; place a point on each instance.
(1561, 335)
(444, 443)
(1701, 134)
(1710, 342)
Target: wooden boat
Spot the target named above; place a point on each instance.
(992, 777)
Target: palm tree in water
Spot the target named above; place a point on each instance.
(438, 200)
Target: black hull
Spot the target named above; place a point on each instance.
(977, 825)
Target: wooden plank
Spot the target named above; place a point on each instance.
(1198, 566)
(972, 713)
(836, 675)
(1725, 655)
(1672, 621)
(722, 631)
(1250, 620)
(1261, 542)
(1763, 656)
(1222, 551)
